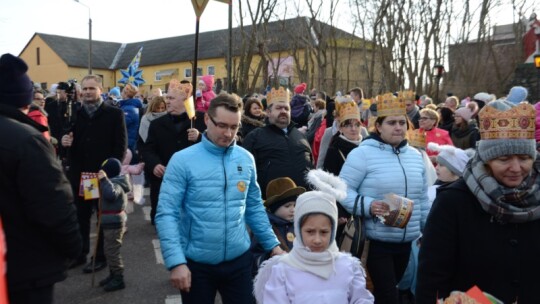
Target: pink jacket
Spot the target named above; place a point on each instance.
(202, 103)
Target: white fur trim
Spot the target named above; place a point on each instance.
(328, 183)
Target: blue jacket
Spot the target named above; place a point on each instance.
(207, 197)
(131, 108)
(375, 169)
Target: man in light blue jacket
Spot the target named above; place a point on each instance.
(208, 195)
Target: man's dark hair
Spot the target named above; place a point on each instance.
(358, 92)
(231, 102)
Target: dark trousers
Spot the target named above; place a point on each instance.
(84, 215)
(40, 295)
(386, 264)
(231, 278)
(155, 186)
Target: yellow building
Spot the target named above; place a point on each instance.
(53, 58)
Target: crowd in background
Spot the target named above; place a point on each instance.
(464, 170)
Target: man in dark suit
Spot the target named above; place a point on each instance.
(168, 135)
(99, 133)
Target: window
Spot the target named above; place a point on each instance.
(187, 73)
(199, 71)
(38, 57)
(157, 77)
(164, 73)
(211, 70)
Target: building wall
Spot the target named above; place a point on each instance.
(50, 69)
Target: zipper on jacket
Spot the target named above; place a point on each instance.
(396, 151)
(225, 204)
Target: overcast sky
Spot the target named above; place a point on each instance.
(112, 20)
(120, 21)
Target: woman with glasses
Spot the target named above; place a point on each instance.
(429, 120)
(385, 164)
(344, 141)
(37, 112)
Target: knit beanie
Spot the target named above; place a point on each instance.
(15, 86)
(482, 99)
(465, 112)
(451, 157)
(299, 89)
(495, 141)
(517, 94)
(115, 93)
(321, 201)
(112, 167)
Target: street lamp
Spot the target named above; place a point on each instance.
(89, 37)
(438, 71)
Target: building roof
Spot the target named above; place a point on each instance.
(114, 55)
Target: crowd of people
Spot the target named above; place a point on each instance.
(249, 197)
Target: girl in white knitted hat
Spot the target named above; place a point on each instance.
(314, 271)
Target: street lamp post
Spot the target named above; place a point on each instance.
(89, 37)
(438, 71)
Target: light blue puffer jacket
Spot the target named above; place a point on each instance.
(375, 169)
(207, 197)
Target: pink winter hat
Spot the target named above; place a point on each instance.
(301, 88)
(465, 112)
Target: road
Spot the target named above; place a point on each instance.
(145, 275)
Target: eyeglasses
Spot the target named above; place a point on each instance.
(35, 98)
(224, 126)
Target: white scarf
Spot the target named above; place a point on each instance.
(318, 263)
(145, 123)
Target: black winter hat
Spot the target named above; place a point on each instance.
(112, 167)
(15, 86)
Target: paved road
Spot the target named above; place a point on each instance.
(145, 276)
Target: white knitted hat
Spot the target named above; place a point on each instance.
(451, 157)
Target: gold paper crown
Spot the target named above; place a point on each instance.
(515, 123)
(279, 95)
(347, 110)
(388, 105)
(416, 138)
(183, 88)
(406, 95)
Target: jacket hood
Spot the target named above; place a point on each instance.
(208, 81)
(122, 180)
(253, 121)
(134, 102)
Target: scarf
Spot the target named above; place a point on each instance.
(318, 263)
(506, 205)
(145, 123)
(354, 142)
(91, 108)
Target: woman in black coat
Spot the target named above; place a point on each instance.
(342, 143)
(483, 229)
(253, 116)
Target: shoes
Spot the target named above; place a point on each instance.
(79, 261)
(97, 267)
(106, 280)
(116, 283)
